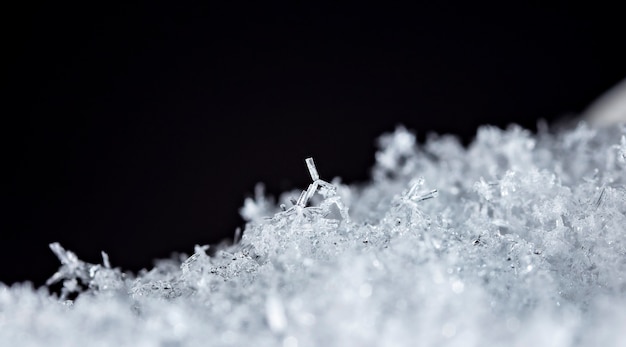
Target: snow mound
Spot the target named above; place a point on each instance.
(516, 240)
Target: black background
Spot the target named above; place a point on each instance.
(138, 129)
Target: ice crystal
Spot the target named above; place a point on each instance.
(519, 239)
(75, 273)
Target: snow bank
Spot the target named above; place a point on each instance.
(517, 240)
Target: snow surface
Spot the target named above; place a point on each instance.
(517, 240)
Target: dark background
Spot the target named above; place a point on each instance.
(138, 129)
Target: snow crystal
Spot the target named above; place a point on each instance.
(518, 239)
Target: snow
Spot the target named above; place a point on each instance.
(518, 239)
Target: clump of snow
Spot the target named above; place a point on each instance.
(519, 239)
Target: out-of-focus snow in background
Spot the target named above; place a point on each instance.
(610, 108)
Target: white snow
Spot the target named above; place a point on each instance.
(517, 240)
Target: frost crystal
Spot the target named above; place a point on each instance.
(76, 274)
(519, 239)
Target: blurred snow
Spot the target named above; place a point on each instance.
(517, 240)
(610, 108)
